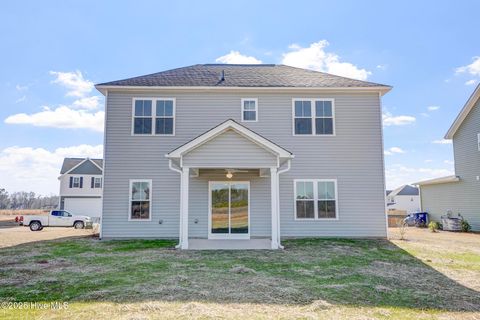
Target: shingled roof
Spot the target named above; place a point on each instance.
(69, 163)
(242, 75)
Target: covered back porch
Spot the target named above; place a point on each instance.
(229, 189)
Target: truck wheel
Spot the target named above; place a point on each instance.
(78, 225)
(35, 226)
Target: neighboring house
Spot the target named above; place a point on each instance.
(459, 193)
(81, 183)
(405, 198)
(212, 153)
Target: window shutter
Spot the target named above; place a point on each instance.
(92, 183)
(478, 141)
(81, 182)
(71, 182)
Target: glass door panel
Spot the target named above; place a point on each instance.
(239, 208)
(220, 208)
(229, 209)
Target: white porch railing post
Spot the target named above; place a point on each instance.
(185, 179)
(274, 205)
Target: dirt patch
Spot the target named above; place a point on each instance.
(17, 235)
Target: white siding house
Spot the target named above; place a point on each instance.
(228, 153)
(405, 198)
(81, 186)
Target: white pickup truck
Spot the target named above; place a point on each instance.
(56, 218)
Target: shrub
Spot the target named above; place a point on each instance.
(466, 227)
(433, 226)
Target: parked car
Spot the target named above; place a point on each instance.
(417, 219)
(56, 218)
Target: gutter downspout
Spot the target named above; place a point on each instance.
(171, 167)
(278, 201)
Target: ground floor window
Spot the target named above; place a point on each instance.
(140, 200)
(316, 199)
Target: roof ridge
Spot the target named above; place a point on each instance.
(333, 75)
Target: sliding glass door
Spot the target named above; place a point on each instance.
(229, 210)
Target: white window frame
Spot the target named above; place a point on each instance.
(315, 199)
(478, 141)
(78, 182)
(154, 116)
(100, 182)
(256, 109)
(131, 181)
(313, 117)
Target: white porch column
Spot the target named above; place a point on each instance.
(185, 179)
(274, 205)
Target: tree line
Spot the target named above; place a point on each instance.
(26, 200)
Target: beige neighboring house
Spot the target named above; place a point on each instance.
(81, 186)
(459, 193)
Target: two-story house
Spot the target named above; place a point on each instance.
(81, 182)
(459, 193)
(241, 156)
(404, 198)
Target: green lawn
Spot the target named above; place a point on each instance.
(311, 278)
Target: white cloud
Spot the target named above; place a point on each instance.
(391, 120)
(470, 82)
(393, 150)
(397, 175)
(89, 103)
(424, 114)
(382, 66)
(80, 114)
(37, 169)
(433, 108)
(235, 57)
(473, 68)
(76, 84)
(428, 161)
(21, 88)
(61, 117)
(316, 58)
(442, 141)
(21, 99)
(448, 162)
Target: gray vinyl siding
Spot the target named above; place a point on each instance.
(463, 196)
(354, 157)
(86, 168)
(230, 150)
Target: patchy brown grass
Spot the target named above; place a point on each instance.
(310, 279)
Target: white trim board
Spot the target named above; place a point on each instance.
(472, 101)
(103, 88)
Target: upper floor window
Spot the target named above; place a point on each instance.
(478, 141)
(154, 116)
(96, 182)
(142, 117)
(316, 199)
(76, 182)
(249, 109)
(313, 117)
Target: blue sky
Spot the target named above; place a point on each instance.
(53, 51)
